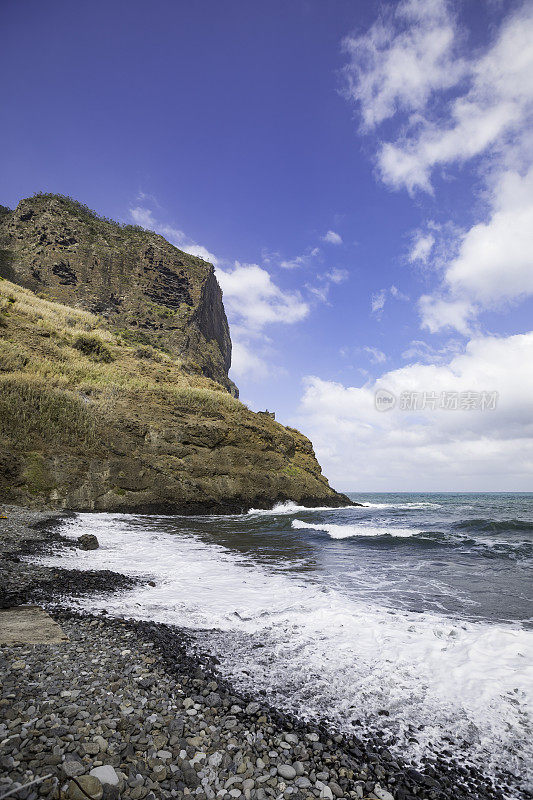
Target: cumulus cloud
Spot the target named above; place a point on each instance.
(360, 447)
(406, 61)
(446, 108)
(253, 301)
(143, 216)
(332, 238)
(498, 105)
(494, 262)
(441, 312)
(252, 297)
(404, 57)
(246, 361)
(502, 246)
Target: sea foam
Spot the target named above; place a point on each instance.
(321, 653)
(336, 531)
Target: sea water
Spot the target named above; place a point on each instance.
(411, 615)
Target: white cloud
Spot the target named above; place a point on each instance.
(253, 301)
(246, 362)
(377, 302)
(379, 299)
(332, 238)
(421, 247)
(441, 312)
(403, 65)
(252, 298)
(496, 108)
(294, 263)
(422, 352)
(337, 275)
(376, 356)
(486, 111)
(333, 277)
(303, 260)
(144, 217)
(403, 58)
(320, 293)
(397, 294)
(494, 262)
(361, 448)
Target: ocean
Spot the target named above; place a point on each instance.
(411, 616)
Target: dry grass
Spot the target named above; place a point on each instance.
(61, 349)
(59, 317)
(31, 411)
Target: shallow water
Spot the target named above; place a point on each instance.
(415, 605)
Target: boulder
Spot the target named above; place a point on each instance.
(88, 542)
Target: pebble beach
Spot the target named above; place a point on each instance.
(130, 709)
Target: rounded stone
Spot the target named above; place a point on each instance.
(287, 772)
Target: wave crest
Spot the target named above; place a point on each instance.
(350, 531)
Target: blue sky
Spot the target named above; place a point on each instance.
(360, 173)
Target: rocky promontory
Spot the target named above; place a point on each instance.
(114, 387)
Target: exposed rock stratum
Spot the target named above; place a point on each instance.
(114, 387)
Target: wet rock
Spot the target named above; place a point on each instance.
(88, 542)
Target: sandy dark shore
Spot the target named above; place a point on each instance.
(151, 718)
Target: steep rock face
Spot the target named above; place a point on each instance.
(89, 421)
(143, 286)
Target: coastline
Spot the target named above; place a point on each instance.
(137, 686)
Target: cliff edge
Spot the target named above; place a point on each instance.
(114, 393)
(140, 284)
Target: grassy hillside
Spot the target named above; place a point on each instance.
(92, 419)
(138, 284)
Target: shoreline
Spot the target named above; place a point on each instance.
(239, 746)
(233, 507)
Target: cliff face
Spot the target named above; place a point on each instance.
(140, 284)
(126, 407)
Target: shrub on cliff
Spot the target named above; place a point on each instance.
(93, 347)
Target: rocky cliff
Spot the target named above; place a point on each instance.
(133, 278)
(117, 398)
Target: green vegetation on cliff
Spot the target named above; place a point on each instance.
(90, 419)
